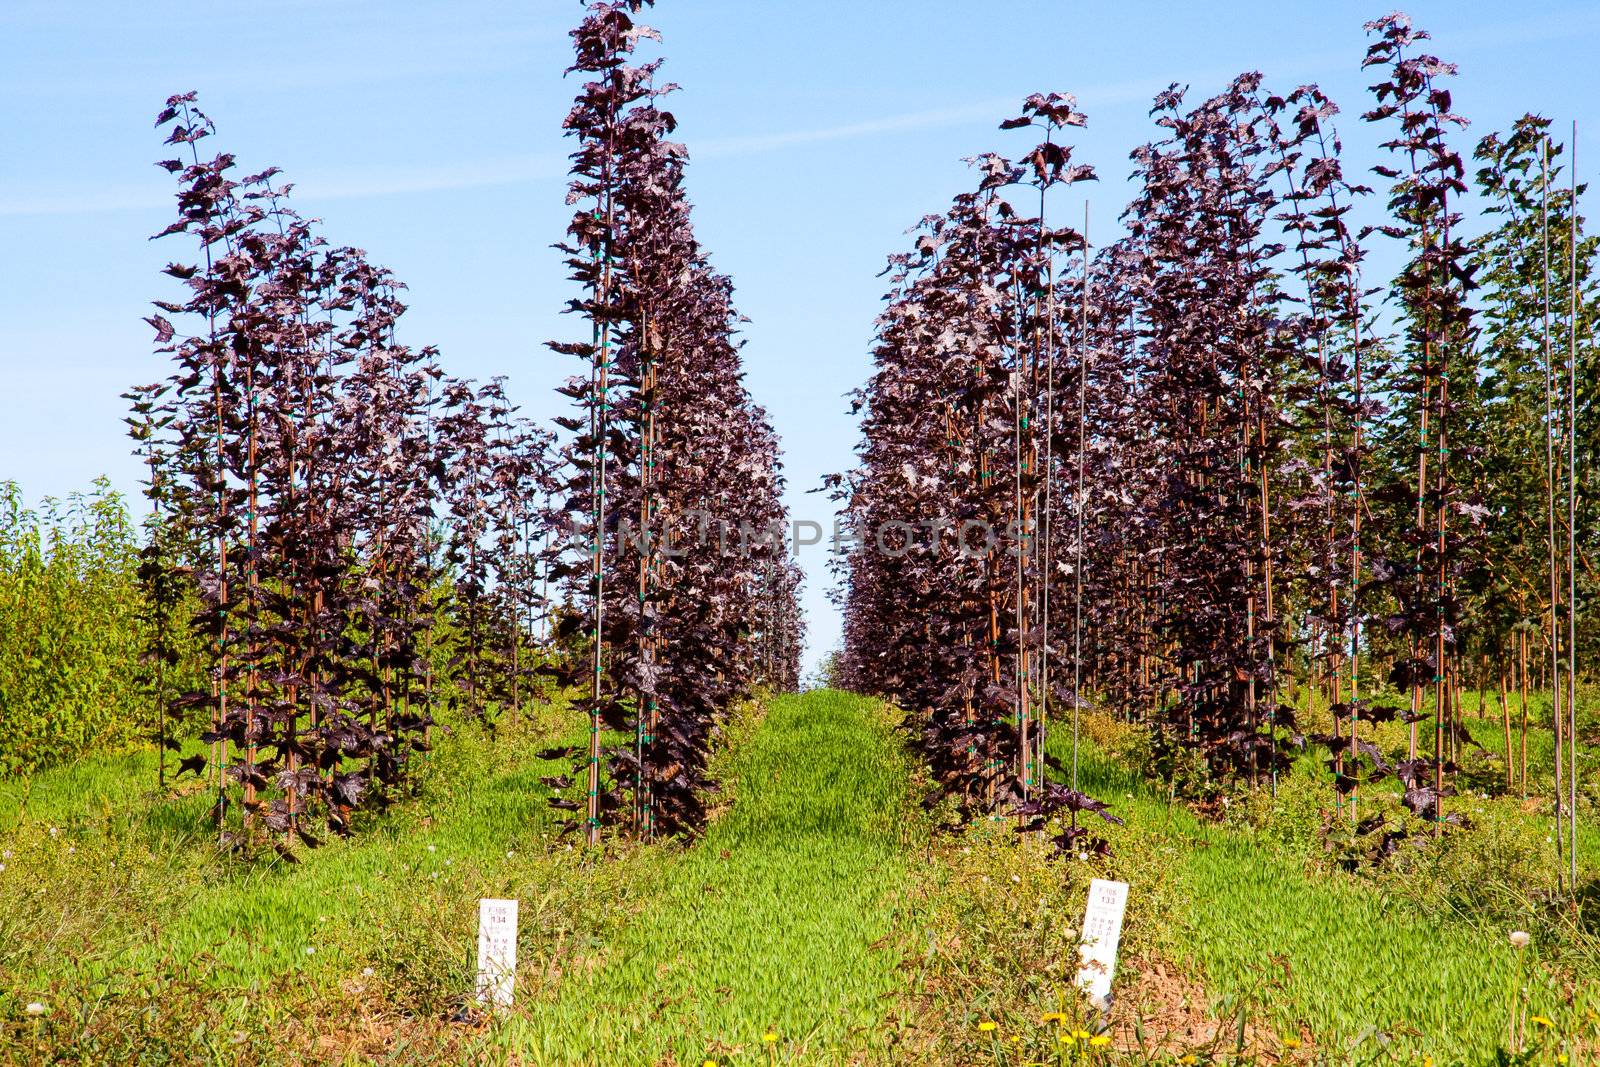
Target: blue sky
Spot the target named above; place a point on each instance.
(429, 134)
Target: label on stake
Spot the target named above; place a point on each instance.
(1102, 932)
(497, 952)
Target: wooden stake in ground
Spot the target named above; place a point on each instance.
(1522, 685)
(599, 424)
(1572, 527)
(1079, 509)
(1552, 635)
(1505, 719)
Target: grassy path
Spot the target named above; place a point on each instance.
(768, 923)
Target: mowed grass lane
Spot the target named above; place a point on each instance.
(766, 926)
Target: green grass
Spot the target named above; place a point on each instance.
(817, 907)
(118, 913)
(122, 880)
(125, 909)
(1481, 714)
(767, 924)
(110, 791)
(1368, 972)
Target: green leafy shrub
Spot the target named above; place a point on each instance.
(74, 635)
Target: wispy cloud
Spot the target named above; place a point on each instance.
(129, 48)
(749, 144)
(518, 169)
(521, 169)
(988, 112)
(505, 170)
(309, 189)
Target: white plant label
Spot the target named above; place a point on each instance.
(1102, 931)
(497, 952)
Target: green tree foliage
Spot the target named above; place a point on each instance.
(74, 673)
(1511, 416)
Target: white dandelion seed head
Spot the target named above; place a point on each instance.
(1519, 938)
(35, 1008)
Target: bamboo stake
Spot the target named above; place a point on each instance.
(1047, 543)
(1505, 719)
(1522, 676)
(1355, 546)
(598, 423)
(1552, 635)
(1019, 424)
(1441, 682)
(253, 580)
(1572, 526)
(1078, 509)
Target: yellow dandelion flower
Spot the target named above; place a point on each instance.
(1100, 1041)
(1054, 1017)
(769, 1037)
(709, 1063)
(1081, 1035)
(1542, 1021)
(1064, 1038)
(1016, 1039)
(1291, 1042)
(987, 1025)
(1189, 1060)
(1427, 1061)
(1561, 1058)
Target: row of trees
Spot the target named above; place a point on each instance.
(332, 497)
(685, 595)
(359, 539)
(1206, 475)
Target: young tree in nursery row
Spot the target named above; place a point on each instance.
(1195, 472)
(949, 584)
(673, 544)
(306, 468)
